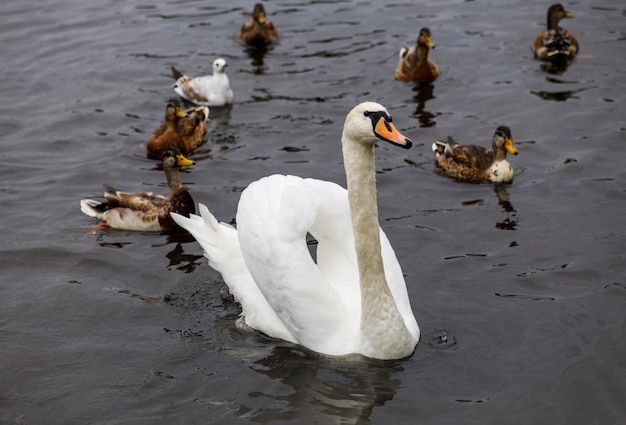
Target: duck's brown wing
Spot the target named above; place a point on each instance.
(470, 156)
(194, 122)
(406, 64)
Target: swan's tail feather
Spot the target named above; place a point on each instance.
(208, 218)
(219, 240)
(221, 247)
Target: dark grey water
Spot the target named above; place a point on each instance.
(519, 291)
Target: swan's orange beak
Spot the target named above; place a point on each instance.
(385, 130)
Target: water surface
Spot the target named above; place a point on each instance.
(519, 290)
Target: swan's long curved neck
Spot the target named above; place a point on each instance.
(377, 303)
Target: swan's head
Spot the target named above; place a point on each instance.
(369, 122)
(219, 66)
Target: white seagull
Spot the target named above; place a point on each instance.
(208, 90)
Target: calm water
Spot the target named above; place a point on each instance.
(520, 291)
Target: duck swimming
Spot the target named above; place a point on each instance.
(555, 43)
(145, 211)
(414, 65)
(475, 163)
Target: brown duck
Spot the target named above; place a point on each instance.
(475, 163)
(258, 30)
(145, 211)
(414, 63)
(183, 129)
(555, 42)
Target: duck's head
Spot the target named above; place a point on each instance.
(425, 39)
(502, 138)
(556, 12)
(174, 110)
(219, 66)
(173, 158)
(370, 122)
(259, 13)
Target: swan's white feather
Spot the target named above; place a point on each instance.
(316, 305)
(221, 247)
(283, 292)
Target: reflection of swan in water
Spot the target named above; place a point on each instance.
(424, 93)
(326, 390)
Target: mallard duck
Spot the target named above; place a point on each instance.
(208, 90)
(476, 163)
(555, 43)
(414, 63)
(183, 129)
(145, 211)
(258, 30)
(353, 298)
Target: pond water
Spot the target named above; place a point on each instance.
(519, 290)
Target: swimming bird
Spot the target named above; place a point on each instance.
(208, 90)
(353, 299)
(183, 129)
(258, 30)
(475, 163)
(145, 211)
(414, 63)
(555, 43)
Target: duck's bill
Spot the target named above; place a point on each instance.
(182, 161)
(510, 146)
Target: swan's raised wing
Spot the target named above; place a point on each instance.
(273, 218)
(221, 247)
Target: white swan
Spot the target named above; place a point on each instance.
(354, 300)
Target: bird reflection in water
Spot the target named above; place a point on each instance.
(257, 54)
(558, 95)
(326, 389)
(554, 68)
(510, 222)
(424, 92)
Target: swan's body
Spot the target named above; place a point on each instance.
(207, 90)
(354, 299)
